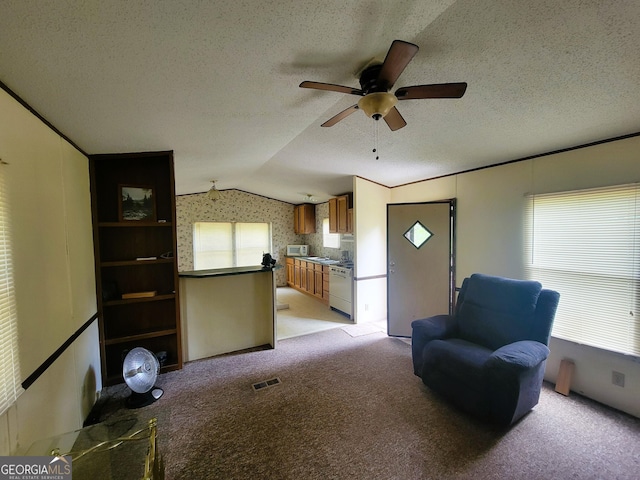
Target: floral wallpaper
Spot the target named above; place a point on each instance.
(238, 206)
(235, 206)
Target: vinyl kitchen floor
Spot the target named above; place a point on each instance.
(305, 315)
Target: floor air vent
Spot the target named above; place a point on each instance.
(265, 384)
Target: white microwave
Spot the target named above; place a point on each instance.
(297, 250)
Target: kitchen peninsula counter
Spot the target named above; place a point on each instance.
(225, 310)
(220, 272)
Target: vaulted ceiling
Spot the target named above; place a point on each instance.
(217, 82)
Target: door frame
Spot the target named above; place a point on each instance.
(452, 249)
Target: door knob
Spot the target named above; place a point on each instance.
(392, 264)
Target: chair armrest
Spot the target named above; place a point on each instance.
(518, 356)
(425, 330)
(434, 328)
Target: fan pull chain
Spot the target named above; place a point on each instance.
(375, 139)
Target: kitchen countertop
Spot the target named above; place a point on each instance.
(324, 261)
(218, 272)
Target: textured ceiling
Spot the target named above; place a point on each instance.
(217, 82)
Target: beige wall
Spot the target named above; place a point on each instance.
(370, 232)
(48, 187)
(490, 216)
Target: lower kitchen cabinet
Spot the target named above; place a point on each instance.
(290, 272)
(325, 284)
(317, 285)
(309, 277)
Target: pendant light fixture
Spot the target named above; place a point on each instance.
(213, 193)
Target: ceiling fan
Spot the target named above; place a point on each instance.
(376, 80)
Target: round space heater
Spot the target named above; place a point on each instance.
(140, 370)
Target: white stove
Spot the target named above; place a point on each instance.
(341, 289)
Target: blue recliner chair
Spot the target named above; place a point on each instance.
(489, 357)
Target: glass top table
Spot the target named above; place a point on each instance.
(118, 449)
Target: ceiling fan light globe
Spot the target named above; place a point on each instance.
(377, 104)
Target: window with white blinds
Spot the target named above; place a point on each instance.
(329, 240)
(586, 245)
(227, 244)
(9, 363)
(212, 245)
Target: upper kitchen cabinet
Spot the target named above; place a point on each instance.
(304, 219)
(333, 215)
(339, 207)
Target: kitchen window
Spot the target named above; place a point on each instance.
(329, 240)
(229, 244)
(586, 245)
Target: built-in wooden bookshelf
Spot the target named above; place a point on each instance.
(135, 257)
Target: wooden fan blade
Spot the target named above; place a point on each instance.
(331, 87)
(394, 119)
(398, 57)
(440, 90)
(342, 115)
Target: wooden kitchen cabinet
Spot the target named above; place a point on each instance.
(309, 277)
(343, 207)
(318, 284)
(303, 275)
(290, 272)
(333, 215)
(297, 280)
(339, 214)
(325, 284)
(304, 219)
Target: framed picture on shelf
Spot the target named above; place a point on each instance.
(136, 203)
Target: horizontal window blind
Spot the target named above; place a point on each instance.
(586, 245)
(212, 245)
(9, 361)
(227, 244)
(251, 241)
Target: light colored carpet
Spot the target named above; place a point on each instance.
(351, 408)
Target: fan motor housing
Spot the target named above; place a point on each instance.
(369, 80)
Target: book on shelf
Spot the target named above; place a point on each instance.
(139, 294)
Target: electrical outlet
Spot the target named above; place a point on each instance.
(366, 307)
(617, 378)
